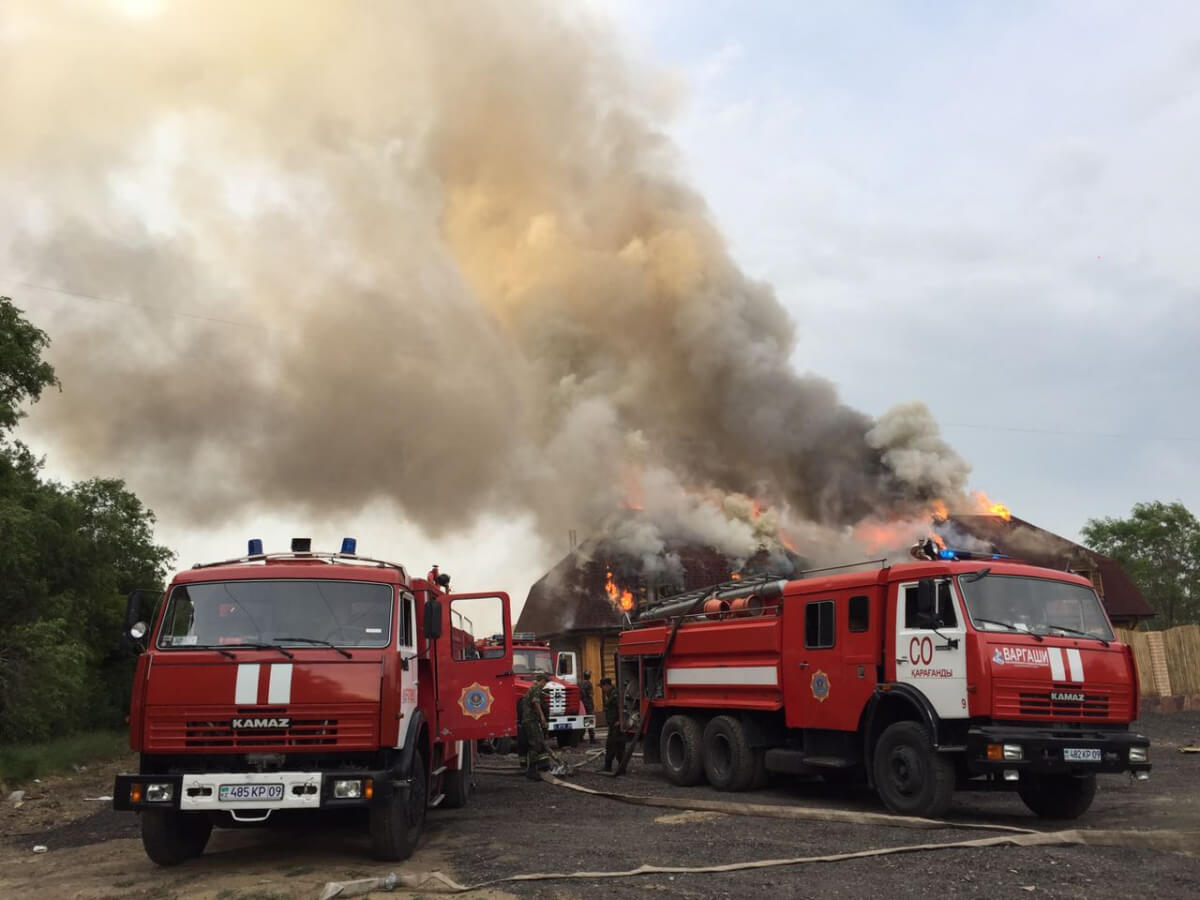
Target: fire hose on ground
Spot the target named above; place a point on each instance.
(1164, 840)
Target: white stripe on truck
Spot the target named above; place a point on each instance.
(245, 693)
(279, 690)
(749, 675)
(1076, 663)
(1057, 671)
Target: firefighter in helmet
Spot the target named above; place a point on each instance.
(533, 725)
(614, 745)
(588, 696)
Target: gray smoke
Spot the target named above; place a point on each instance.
(464, 274)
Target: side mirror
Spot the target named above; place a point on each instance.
(139, 603)
(926, 601)
(433, 618)
(138, 630)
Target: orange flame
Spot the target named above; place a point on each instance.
(987, 507)
(937, 539)
(786, 540)
(734, 576)
(939, 510)
(620, 598)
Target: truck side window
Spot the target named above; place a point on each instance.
(860, 614)
(407, 622)
(945, 607)
(818, 624)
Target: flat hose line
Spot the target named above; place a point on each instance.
(1169, 841)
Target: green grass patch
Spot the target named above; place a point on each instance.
(20, 763)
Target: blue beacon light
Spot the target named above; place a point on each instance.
(349, 546)
(254, 547)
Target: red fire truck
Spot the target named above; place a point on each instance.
(287, 683)
(956, 671)
(566, 719)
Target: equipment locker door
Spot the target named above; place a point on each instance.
(475, 694)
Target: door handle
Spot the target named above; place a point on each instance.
(900, 659)
(801, 665)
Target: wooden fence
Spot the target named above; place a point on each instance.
(1168, 661)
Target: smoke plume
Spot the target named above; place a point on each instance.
(450, 262)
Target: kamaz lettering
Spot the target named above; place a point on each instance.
(281, 722)
(1066, 697)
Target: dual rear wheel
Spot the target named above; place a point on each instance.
(719, 751)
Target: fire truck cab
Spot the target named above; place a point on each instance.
(289, 683)
(920, 678)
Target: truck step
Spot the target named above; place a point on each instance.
(438, 771)
(436, 800)
(828, 762)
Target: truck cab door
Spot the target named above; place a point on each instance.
(931, 650)
(565, 669)
(476, 689)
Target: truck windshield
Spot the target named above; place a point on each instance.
(278, 613)
(526, 661)
(1036, 605)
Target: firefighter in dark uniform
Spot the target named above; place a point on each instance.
(614, 747)
(533, 725)
(587, 694)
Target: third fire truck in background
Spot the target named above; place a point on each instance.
(951, 672)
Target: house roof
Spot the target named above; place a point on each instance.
(1022, 540)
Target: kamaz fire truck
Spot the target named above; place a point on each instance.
(566, 719)
(290, 683)
(951, 672)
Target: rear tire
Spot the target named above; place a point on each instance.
(680, 750)
(1057, 796)
(728, 756)
(911, 777)
(396, 827)
(170, 837)
(457, 784)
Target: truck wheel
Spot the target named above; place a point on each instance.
(911, 777)
(1057, 796)
(396, 827)
(170, 837)
(569, 739)
(457, 785)
(680, 749)
(728, 756)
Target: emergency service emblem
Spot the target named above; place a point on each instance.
(820, 686)
(475, 700)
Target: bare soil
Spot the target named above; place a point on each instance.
(514, 826)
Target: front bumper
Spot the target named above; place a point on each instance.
(300, 790)
(1044, 750)
(570, 723)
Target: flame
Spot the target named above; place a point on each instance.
(876, 536)
(986, 507)
(939, 510)
(937, 539)
(622, 599)
(734, 576)
(786, 540)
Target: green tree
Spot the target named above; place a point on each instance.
(68, 557)
(1159, 547)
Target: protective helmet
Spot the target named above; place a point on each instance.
(587, 674)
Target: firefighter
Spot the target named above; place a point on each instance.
(587, 694)
(534, 724)
(614, 746)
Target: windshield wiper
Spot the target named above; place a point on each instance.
(1085, 634)
(256, 645)
(220, 650)
(1009, 626)
(308, 640)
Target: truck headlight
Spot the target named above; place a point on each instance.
(1139, 754)
(160, 793)
(347, 788)
(1013, 751)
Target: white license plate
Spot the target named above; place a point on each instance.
(236, 793)
(1081, 754)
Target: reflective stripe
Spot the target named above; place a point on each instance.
(245, 693)
(280, 688)
(754, 675)
(1057, 671)
(1076, 662)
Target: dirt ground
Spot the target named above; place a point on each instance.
(513, 826)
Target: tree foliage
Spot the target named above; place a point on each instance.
(1159, 547)
(68, 557)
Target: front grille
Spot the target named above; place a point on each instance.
(1025, 700)
(211, 729)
